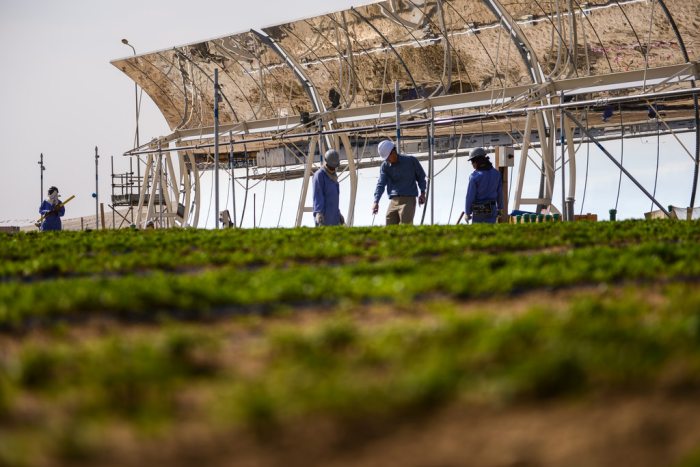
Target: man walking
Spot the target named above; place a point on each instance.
(402, 177)
(327, 192)
(485, 190)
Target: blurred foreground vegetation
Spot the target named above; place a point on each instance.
(147, 332)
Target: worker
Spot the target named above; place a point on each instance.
(485, 191)
(52, 210)
(400, 175)
(327, 191)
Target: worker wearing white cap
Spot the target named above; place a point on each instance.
(402, 177)
(327, 192)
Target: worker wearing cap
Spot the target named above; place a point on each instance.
(52, 210)
(402, 177)
(327, 192)
(485, 191)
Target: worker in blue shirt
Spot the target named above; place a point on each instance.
(402, 177)
(485, 192)
(52, 210)
(327, 192)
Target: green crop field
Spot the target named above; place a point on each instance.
(537, 344)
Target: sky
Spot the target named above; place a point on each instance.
(60, 96)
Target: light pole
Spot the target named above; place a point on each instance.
(41, 168)
(137, 109)
(97, 191)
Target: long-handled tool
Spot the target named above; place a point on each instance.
(460, 217)
(55, 209)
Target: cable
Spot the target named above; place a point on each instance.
(658, 154)
(622, 155)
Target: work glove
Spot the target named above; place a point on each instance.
(320, 219)
(421, 199)
(342, 220)
(375, 208)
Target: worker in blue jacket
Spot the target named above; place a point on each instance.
(327, 191)
(52, 210)
(402, 177)
(485, 191)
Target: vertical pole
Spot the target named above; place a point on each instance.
(113, 219)
(97, 190)
(160, 185)
(233, 180)
(565, 211)
(254, 214)
(321, 150)
(431, 167)
(216, 146)
(41, 172)
(398, 116)
(131, 187)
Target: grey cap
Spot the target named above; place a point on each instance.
(477, 152)
(332, 158)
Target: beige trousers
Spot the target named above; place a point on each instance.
(401, 210)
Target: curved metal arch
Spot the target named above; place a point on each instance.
(312, 51)
(527, 52)
(271, 74)
(544, 119)
(684, 51)
(306, 83)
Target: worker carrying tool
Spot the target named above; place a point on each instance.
(51, 210)
(402, 177)
(327, 191)
(485, 191)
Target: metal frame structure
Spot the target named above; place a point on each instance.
(264, 76)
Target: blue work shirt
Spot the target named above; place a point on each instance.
(326, 197)
(53, 220)
(484, 186)
(400, 179)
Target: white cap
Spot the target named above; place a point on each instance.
(385, 148)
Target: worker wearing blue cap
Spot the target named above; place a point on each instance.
(485, 190)
(402, 177)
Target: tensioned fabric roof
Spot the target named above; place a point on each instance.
(351, 59)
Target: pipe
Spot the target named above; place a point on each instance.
(216, 145)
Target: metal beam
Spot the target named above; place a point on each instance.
(678, 93)
(625, 80)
